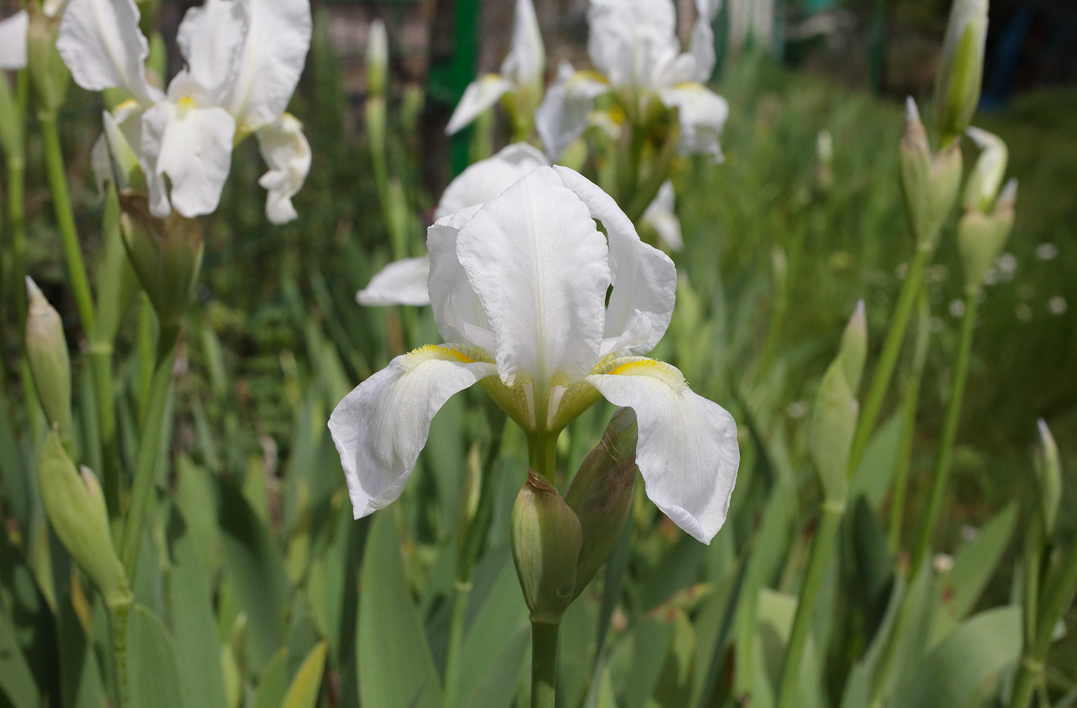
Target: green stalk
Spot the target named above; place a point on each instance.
(65, 218)
(119, 614)
(949, 431)
(101, 363)
(1030, 670)
(908, 423)
(543, 664)
(146, 317)
(16, 174)
(145, 467)
(884, 371)
(825, 536)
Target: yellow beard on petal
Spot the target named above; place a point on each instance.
(653, 368)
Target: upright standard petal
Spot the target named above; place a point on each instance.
(211, 39)
(660, 215)
(563, 114)
(193, 147)
(457, 309)
(277, 41)
(287, 153)
(380, 427)
(13, 41)
(478, 96)
(401, 282)
(702, 42)
(687, 448)
(539, 267)
(702, 116)
(101, 44)
(488, 178)
(526, 60)
(644, 279)
(632, 41)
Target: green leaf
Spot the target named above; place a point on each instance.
(155, 681)
(16, 680)
(194, 628)
(33, 624)
(876, 468)
(952, 673)
(974, 564)
(303, 693)
(274, 681)
(80, 674)
(674, 688)
(13, 472)
(493, 651)
(396, 669)
(197, 499)
(650, 642)
(254, 565)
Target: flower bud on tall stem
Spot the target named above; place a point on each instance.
(960, 73)
(50, 363)
(49, 76)
(546, 541)
(601, 494)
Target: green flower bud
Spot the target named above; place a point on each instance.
(546, 540)
(77, 514)
(601, 494)
(832, 427)
(986, 177)
(377, 59)
(854, 346)
(50, 363)
(375, 123)
(960, 73)
(166, 255)
(980, 237)
(126, 169)
(1049, 476)
(49, 76)
(411, 108)
(915, 154)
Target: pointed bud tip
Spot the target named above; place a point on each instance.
(859, 318)
(1008, 195)
(912, 113)
(32, 291)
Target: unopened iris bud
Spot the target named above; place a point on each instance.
(77, 514)
(546, 540)
(980, 237)
(854, 346)
(125, 169)
(375, 123)
(601, 494)
(411, 107)
(49, 76)
(377, 59)
(166, 255)
(50, 363)
(915, 154)
(960, 74)
(832, 427)
(1048, 476)
(986, 177)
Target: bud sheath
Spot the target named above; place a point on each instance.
(50, 363)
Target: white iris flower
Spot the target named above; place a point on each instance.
(13, 41)
(243, 61)
(547, 314)
(403, 282)
(521, 76)
(633, 45)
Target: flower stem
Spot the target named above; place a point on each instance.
(809, 592)
(101, 363)
(543, 664)
(884, 371)
(119, 614)
(949, 431)
(909, 404)
(65, 218)
(542, 452)
(145, 467)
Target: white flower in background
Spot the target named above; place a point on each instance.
(1057, 305)
(634, 46)
(13, 41)
(519, 291)
(1046, 251)
(403, 282)
(521, 73)
(243, 61)
(660, 215)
